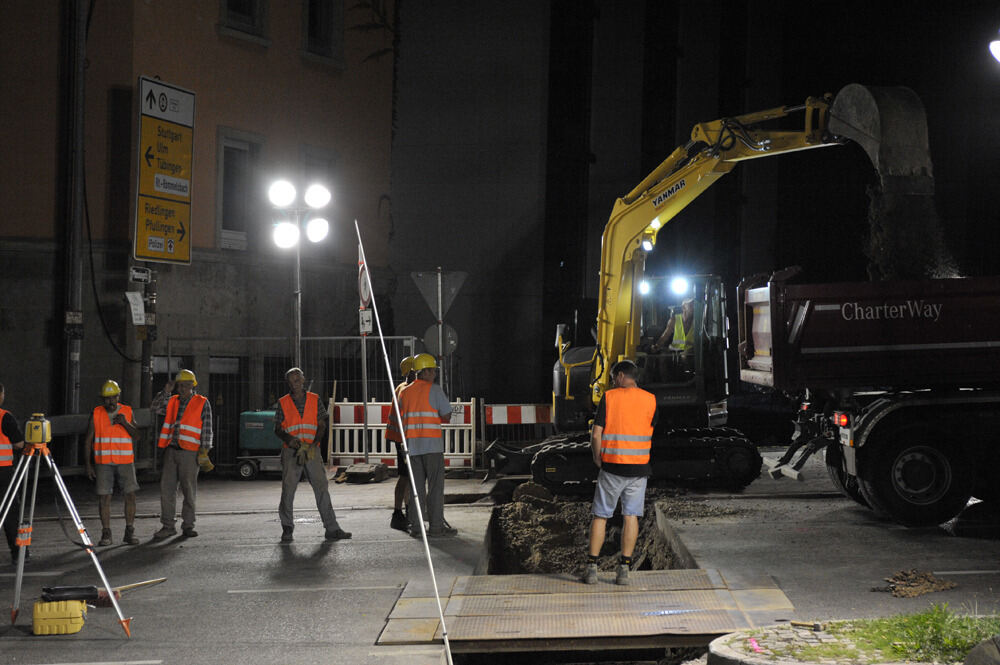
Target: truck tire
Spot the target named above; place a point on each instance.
(910, 477)
(845, 483)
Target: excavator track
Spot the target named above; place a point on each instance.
(715, 457)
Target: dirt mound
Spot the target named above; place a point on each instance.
(912, 583)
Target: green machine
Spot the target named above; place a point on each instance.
(260, 448)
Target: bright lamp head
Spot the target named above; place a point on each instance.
(644, 287)
(317, 228)
(647, 245)
(286, 234)
(679, 285)
(281, 193)
(995, 49)
(317, 196)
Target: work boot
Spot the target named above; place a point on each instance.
(399, 521)
(286, 534)
(165, 533)
(445, 531)
(189, 532)
(130, 538)
(337, 534)
(621, 575)
(590, 574)
(105, 538)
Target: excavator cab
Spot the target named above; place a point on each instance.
(681, 349)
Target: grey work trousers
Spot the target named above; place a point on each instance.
(291, 473)
(180, 467)
(428, 475)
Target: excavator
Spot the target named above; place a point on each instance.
(690, 442)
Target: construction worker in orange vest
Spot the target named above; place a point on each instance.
(110, 434)
(298, 422)
(401, 495)
(423, 407)
(185, 436)
(11, 443)
(620, 442)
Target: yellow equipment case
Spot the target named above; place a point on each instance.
(58, 617)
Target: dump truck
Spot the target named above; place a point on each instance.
(899, 383)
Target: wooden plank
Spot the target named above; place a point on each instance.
(409, 631)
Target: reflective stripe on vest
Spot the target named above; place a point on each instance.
(681, 340)
(112, 443)
(420, 419)
(628, 429)
(6, 447)
(305, 426)
(189, 428)
(392, 432)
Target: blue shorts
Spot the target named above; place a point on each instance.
(611, 487)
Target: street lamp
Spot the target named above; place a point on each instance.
(995, 47)
(288, 228)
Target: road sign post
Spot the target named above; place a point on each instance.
(163, 191)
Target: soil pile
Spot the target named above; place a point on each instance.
(912, 583)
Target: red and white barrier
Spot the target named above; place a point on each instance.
(347, 426)
(518, 414)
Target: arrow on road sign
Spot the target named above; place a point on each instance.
(151, 99)
(183, 231)
(149, 155)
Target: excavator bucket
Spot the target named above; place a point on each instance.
(905, 240)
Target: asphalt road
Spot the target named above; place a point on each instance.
(235, 595)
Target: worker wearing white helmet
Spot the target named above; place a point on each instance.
(110, 434)
(186, 434)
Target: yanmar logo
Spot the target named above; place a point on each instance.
(663, 196)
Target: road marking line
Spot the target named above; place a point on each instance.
(38, 573)
(116, 662)
(965, 572)
(328, 588)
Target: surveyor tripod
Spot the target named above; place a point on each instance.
(36, 440)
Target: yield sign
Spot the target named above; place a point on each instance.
(427, 284)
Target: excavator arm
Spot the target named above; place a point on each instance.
(714, 150)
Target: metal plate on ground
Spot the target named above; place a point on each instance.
(651, 580)
(642, 602)
(602, 624)
(409, 631)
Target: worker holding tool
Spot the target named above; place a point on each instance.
(185, 437)
(110, 434)
(424, 406)
(298, 421)
(620, 441)
(401, 495)
(11, 443)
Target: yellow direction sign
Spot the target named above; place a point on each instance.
(163, 191)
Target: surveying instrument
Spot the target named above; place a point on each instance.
(37, 436)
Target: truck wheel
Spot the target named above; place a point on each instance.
(913, 479)
(247, 470)
(845, 483)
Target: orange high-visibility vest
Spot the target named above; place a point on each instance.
(112, 443)
(392, 432)
(628, 429)
(189, 435)
(304, 427)
(420, 419)
(6, 446)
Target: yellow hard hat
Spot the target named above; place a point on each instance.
(186, 375)
(406, 366)
(110, 389)
(423, 361)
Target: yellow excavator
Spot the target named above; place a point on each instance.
(690, 384)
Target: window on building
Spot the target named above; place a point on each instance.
(237, 198)
(244, 18)
(323, 30)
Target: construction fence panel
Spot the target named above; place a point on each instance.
(241, 374)
(346, 441)
(515, 423)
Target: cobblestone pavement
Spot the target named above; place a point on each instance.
(782, 643)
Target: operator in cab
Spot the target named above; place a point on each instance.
(679, 333)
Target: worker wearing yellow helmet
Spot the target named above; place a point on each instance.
(110, 434)
(424, 407)
(186, 434)
(400, 520)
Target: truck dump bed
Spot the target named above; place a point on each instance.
(920, 334)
